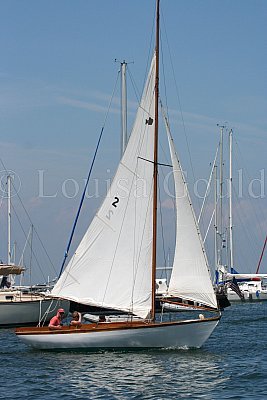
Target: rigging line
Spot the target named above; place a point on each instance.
(136, 92)
(261, 256)
(135, 88)
(160, 143)
(26, 236)
(35, 231)
(208, 186)
(67, 271)
(24, 248)
(150, 48)
(164, 152)
(152, 162)
(28, 216)
(245, 229)
(81, 203)
(204, 240)
(138, 96)
(251, 203)
(252, 239)
(180, 107)
(164, 78)
(87, 180)
(111, 99)
(248, 178)
(37, 234)
(49, 259)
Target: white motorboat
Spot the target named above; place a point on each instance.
(252, 288)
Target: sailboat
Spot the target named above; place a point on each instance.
(114, 265)
(237, 286)
(21, 305)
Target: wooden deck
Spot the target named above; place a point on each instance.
(105, 326)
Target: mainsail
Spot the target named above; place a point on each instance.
(190, 277)
(112, 265)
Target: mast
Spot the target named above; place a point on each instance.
(123, 107)
(8, 219)
(215, 219)
(220, 218)
(155, 174)
(221, 194)
(230, 200)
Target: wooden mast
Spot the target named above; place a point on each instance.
(155, 174)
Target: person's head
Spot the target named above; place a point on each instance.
(60, 312)
(75, 315)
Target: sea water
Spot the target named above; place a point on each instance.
(232, 364)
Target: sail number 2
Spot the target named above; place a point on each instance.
(114, 204)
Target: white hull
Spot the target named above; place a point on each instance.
(248, 296)
(28, 311)
(251, 290)
(178, 307)
(186, 334)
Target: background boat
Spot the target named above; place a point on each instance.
(20, 304)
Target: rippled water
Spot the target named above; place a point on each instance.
(231, 365)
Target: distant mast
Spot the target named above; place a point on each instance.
(230, 200)
(221, 195)
(215, 219)
(155, 174)
(9, 219)
(124, 138)
(124, 133)
(220, 217)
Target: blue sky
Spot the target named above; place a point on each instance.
(57, 73)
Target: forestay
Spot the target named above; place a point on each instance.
(112, 265)
(190, 277)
